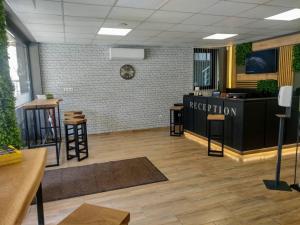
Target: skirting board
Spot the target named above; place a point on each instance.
(252, 155)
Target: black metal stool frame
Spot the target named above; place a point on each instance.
(173, 123)
(211, 152)
(80, 139)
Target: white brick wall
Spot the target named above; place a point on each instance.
(110, 102)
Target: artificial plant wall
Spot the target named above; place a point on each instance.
(296, 58)
(9, 131)
(242, 50)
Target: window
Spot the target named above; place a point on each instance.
(206, 68)
(19, 69)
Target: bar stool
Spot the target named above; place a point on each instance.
(215, 118)
(76, 135)
(91, 214)
(176, 120)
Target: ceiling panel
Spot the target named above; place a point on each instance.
(42, 7)
(155, 26)
(169, 17)
(143, 4)
(193, 6)
(170, 34)
(184, 28)
(82, 29)
(49, 39)
(40, 18)
(120, 23)
(229, 8)
(83, 36)
(95, 2)
(143, 33)
(263, 11)
(96, 11)
(34, 27)
(201, 19)
(153, 22)
(235, 22)
(129, 14)
(82, 21)
(250, 1)
(285, 3)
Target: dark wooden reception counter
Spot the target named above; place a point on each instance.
(249, 123)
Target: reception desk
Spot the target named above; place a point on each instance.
(249, 123)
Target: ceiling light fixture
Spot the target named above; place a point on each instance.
(292, 14)
(114, 31)
(220, 36)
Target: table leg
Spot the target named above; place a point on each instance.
(39, 205)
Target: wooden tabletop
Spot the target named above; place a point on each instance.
(18, 185)
(41, 103)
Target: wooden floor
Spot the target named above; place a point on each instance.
(201, 189)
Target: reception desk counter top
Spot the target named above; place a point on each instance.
(250, 123)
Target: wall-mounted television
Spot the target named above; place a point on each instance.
(262, 61)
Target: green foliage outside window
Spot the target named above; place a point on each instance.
(9, 131)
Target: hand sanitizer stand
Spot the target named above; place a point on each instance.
(285, 100)
(296, 184)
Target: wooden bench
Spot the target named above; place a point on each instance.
(88, 214)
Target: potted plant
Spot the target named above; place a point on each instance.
(268, 88)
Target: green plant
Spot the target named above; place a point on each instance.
(9, 131)
(268, 87)
(49, 96)
(296, 58)
(242, 50)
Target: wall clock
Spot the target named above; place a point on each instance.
(127, 72)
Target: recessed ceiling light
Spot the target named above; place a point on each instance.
(220, 36)
(292, 14)
(113, 31)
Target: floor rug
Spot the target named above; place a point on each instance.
(84, 180)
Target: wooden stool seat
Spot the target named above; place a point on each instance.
(75, 116)
(71, 113)
(76, 135)
(74, 121)
(176, 108)
(88, 214)
(216, 117)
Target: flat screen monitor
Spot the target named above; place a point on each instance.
(262, 62)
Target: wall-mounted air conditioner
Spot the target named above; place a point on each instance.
(126, 54)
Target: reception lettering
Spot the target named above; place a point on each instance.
(217, 109)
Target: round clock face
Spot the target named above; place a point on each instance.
(127, 72)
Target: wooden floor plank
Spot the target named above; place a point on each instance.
(201, 190)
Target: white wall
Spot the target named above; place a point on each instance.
(110, 102)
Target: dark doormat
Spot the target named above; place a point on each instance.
(84, 180)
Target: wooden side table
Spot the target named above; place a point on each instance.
(19, 184)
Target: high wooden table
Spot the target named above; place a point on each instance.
(42, 124)
(19, 184)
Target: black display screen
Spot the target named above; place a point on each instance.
(262, 61)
